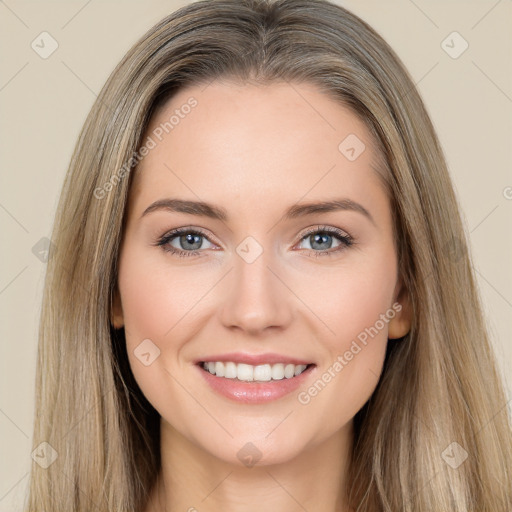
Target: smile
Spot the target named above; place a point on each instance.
(255, 384)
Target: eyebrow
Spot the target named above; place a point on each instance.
(203, 209)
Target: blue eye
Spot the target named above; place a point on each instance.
(190, 241)
(322, 238)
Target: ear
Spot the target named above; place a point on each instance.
(400, 324)
(116, 310)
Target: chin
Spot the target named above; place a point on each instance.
(257, 451)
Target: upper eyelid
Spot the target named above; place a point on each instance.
(328, 229)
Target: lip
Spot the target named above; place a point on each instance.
(253, 359)
(254, 392)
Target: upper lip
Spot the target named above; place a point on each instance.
(253, 359)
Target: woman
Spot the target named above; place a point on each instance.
(244, 370)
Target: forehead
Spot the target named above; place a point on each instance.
(251, 141)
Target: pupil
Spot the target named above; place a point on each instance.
(189, 239)
(319, 239)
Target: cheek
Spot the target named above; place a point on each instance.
(351, 298)
(160, 303)
(356, 306)
(152, 305)
(156, 297)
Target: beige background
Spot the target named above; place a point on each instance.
(45, 101)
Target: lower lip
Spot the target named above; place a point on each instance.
(254, 392)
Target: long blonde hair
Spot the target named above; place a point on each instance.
(440, 383)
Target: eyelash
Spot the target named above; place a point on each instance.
(345, 239)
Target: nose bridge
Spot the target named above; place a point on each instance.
(255, 297)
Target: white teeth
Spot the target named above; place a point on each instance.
(230, 370)
(219, 369)
(263, 372)
(245, 372)
(289, 371)
(278, 372)
(299, 369)
(249, 373)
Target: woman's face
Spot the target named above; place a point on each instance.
(256, 272)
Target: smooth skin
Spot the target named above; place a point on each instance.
(254, 151)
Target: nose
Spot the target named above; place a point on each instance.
(255, 297)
